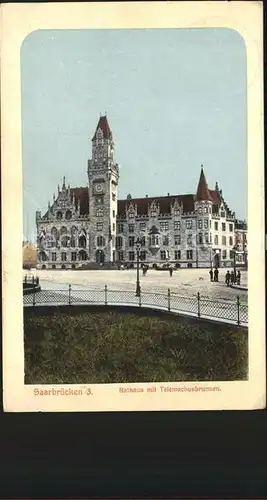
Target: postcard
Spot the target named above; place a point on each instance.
(133, 206)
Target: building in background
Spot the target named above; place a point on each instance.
(29, 255)
(89, 226)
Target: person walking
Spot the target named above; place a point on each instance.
(211, 274)
(170, 271)
(232, 277)
(216, 275)
(238, 279)
(227, 278)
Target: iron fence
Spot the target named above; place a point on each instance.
(228, 311)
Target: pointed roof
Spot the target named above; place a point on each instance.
(104, 126)
(203, 193)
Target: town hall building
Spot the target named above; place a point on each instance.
(89, 226)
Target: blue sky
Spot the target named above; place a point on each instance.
(175, 98)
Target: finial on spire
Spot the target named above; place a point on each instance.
(58, 188)
(216, 186)
(54, 197)
(48, 205)
(64, 182)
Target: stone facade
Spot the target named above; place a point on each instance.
(89, 226)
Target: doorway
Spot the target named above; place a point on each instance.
(100, 257)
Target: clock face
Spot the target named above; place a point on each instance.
(98, 188)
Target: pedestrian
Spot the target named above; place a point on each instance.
(211, 274)
(144, 270)
(216, 275)
(238, 278)
(227, 278)
(232, 277)
(171, 271)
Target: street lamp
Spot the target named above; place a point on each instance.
(197, 250)
(138, 246)
(234, 250)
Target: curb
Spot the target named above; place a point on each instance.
(238, 287)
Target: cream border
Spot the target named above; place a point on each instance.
(17, 21)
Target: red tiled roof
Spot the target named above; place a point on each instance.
(165, 203)
(82, 194)
(103, 124)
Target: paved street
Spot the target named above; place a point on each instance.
(184, 282)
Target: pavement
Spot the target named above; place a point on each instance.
(184, 282)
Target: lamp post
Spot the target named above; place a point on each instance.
(138, 246)
(196, 250)
(234, 250)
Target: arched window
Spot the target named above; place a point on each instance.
(59, 215)
(100, 241)
(216, 239)
(82, 241)
(68, 215)
(54, 236)
(64, 236)
(230, 241)
(42, 256)
(73, 237)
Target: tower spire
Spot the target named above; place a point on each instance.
(203, 193)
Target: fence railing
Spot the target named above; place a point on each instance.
(198, 306)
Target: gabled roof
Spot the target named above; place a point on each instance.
(165, 203)
(104, 126)
(203, 192)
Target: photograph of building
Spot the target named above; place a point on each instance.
(91, 225)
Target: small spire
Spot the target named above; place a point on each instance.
(64, 182)
(216, 186)
(54, 197)
(203, 193)
(58, 188)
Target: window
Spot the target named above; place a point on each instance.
(164, 226)
(223, 240)
(176, 211)
(231, 241)
(177, 225)
(177, 254)
(224, 254)
(153, 212)
(73, 256)
(154, 240)
(222, 213)
(223, 226)
(165, 240)
(113, 197)
(82, 241)
(216, 226)
(200, 238)
(131, 256)
(205, 210)
(143, 255)
(200, 210)
(68, 215)
(189, 254)
(113, 213)
(130, 215)
(163, 255)
(54, 256)
(142, 226)
(131, 228)
(120, 228)
(231, 228)
(189, 239)
(206, 237)
(131, 241)
(64, 256)
(59, 215)
(100, 241)
(119, 242)
(206, 223)
(210, 238)
(216, 239)
(143, 241)
(200, 224)
(99, 212)
(188, 224)
(120, 255)
(177, 239)
(99, 226)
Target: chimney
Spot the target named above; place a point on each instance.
(146, 195)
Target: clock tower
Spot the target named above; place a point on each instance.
(103, 176)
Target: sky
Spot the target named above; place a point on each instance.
(174, 98)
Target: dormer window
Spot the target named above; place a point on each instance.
(131, 215)
(176, 211)
(200, 210)
(59, 215)
(68, 215)
(205, 210)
